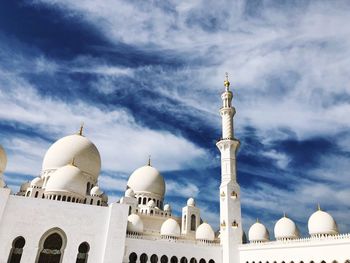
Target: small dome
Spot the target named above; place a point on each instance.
(104, 198)
(96, 191)
(147, 179)
(135, 224)
(205, 232)
(322, 223)
(37, 182)
(170, 228)
(151, 204)
(69, 179)
(285, 228)
(258, 233)
(129, 193)
(167, 208)
(3, 159)
(191, 202)
(24, 186)
(82, 150)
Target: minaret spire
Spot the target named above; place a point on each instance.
(230, 208)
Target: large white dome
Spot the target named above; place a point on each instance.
(258, 233)
(3, 159)
(135, 224)
(205, 232)
(68, 179)
(285, 228)
(77, 147)
(322, 223)
(170, 228)
(37, 182)
(147, 179)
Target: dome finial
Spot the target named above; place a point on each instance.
(284, 214)
(81, 129)
(319, 207)
(226, 82)
(257, 220)
(149, 160)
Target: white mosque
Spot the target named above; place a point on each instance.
(63, 216)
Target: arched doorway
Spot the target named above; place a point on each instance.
(51, 246)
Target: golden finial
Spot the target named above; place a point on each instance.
(318, 207)
(284, 214)
(73, 162)
(226, 82)
(81, 129)
(257, 220)
(149, 160)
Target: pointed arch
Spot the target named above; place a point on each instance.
(16, 250)
(51, 246)
(193, 223)
(83, 252)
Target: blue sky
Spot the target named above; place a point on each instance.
(146, 78)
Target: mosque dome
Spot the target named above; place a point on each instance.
(147, 179)
(322, 223)
(205, 232)
(167, 208)
(135, 224)
(129, 193)
(77, 147)
(151, 204)
(285, 228)
(191, 202)
(24, 186)
(69, 179)
(258, 233)
(37, 182)
(3, 159)
(104, 198)
(96, 191)
(170, 228)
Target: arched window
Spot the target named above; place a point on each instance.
(68, 199)
(83, 252)
(193, 260)
(140, 200)
(143, 258)
(59, 198)
(144, 201)
(91, 201)
(73, 199)
(154, 258)
(173, 259)
(184, 223)
(183, 260)
(164, 259)
(193, 223)
(132, 257)
(202, 260)
(211, 261)
(88, 188)
(98, 202)
(16, 250)
(36, 194)
(51, 247)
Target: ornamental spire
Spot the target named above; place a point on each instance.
(81, 129)
(149, 160)
(226, 82)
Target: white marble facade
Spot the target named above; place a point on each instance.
(64, 216)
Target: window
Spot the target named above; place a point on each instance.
(91, 201)
(132, 257)
(73, 199)
(68, 199)
(183, 260)
(98, 202)
(154, 258)
(36, 194)
(59, 198)
(164, 259)
(173, 259)
(144, 201)
(202, 260)
(211, 261)
(64, 198)
(51, 247)
(143, 258)
(193, 260)
(83, 251)
(88, 188)
(16, 250)
(193, 223)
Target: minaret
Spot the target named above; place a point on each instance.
(230, 205)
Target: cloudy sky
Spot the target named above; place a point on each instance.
(146, 78)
